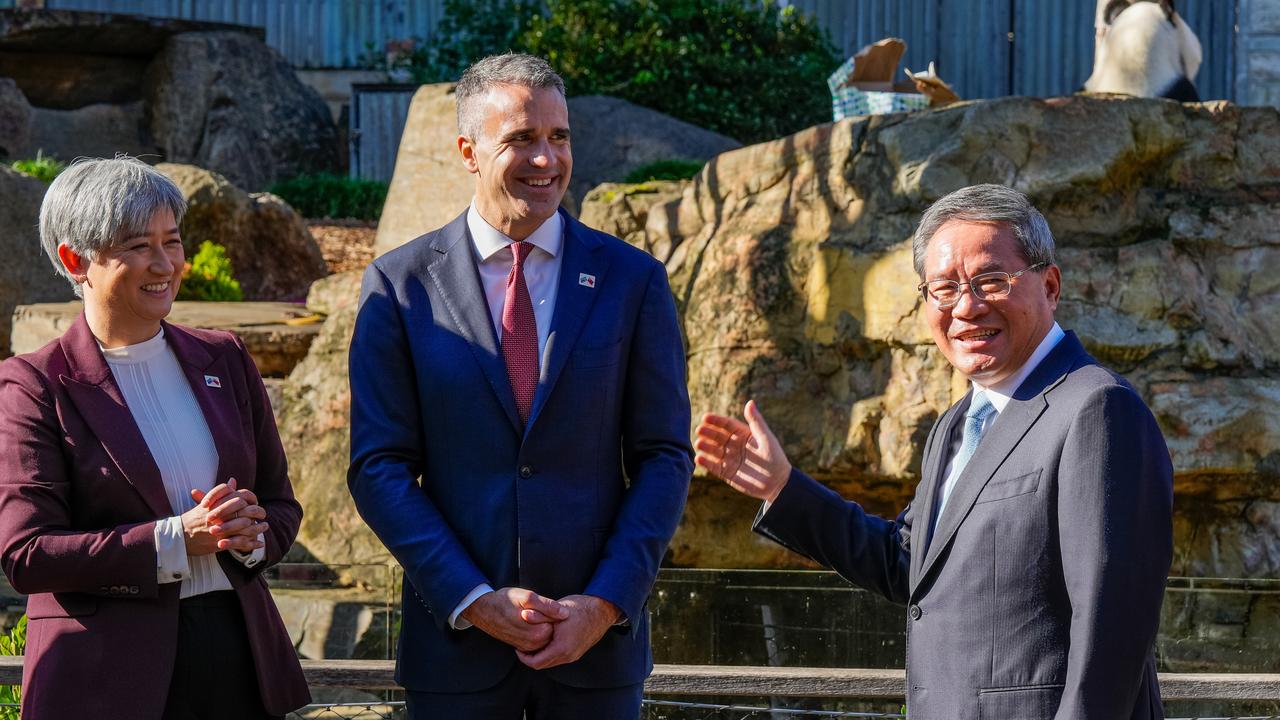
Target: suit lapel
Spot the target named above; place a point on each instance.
(93, 390)
(218, 404)
(457, 280)
(573, 304)
(930, 478)
(1024, 409)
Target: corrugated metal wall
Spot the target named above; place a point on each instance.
(990, 48)
(378, 115)
(309, 33)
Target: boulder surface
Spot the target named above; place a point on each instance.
(26, 275)
(272, 253)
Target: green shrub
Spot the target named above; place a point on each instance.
(12, 643)
(208, 276)
(324, 195)
(43, 167)
(754, 71)
(664, 170)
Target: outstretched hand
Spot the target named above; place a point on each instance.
(747, 456)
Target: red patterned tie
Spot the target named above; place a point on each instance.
(520, 333)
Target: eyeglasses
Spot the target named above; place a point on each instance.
(987, 286)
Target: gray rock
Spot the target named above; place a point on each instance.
(100, 130)
(271, 250)
(26, 275)
(15, 121)
(611, 137)
(228, 102)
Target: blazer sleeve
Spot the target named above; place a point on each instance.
(810, 519)
(386, 456)
(1115, 505)
(271, 485)
(656, 454)
(39, 548)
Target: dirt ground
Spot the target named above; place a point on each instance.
(345, 244)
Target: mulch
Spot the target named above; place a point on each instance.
(345, 244)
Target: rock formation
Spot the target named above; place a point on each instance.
(272, 253)
(15, 121)
(790, 262)
(26, 275)
(192, 92)
(611, 137)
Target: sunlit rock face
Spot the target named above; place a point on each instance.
(791, 264)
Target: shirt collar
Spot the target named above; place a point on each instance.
(488, 240)
(1003, 391)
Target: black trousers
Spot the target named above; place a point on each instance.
(213, 673)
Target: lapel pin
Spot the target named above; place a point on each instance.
(212, 381)
(586, 280)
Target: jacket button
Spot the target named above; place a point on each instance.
(526, 471)
(914, 612)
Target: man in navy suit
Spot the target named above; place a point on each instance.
(519, 428)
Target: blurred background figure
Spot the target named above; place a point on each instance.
(1143, 48)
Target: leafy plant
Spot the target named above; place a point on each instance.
(208, 276)
(43, 167)
(12, 643)
(754, 71)
(324, 195)
(664, 170)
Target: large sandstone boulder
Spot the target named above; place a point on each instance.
(26, 275)
(15, 121)
(611, 137)
(229, 102)
(792, 267)
(625, 211)
(272, 253)
(99, 130)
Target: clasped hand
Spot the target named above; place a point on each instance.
(225, 518)
(544, 632)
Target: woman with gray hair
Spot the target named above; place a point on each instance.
(143, 486)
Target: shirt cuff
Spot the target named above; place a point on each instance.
(456, 621)
(253, 558)
(171, 551)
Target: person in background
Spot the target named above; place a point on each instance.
(143, 486)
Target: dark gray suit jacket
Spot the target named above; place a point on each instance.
(1039, 594)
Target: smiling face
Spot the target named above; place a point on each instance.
(130, 287)
(988, 340)
(521, 158)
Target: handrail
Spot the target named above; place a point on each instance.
(757, 681)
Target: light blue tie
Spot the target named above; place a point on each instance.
(980, 408)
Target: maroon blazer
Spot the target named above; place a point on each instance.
(79, 497)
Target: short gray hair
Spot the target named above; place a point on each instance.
(987, 204)
(508, 69)
(97, 203)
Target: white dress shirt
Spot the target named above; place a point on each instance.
(160, 400)
(999, 394)
(541, 275)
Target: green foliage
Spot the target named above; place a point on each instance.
(325, 195)
(12, 643)
(208, 276)
(43, 167)
(754, 71)
(664, 170)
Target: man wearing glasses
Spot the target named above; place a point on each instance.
(1033, 558)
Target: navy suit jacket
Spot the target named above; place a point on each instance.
(583, 499)
(1038, 595)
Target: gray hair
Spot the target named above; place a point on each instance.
(987, 204)
(97, 203)
(508, 69)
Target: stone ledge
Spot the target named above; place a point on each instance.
(275, 345)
